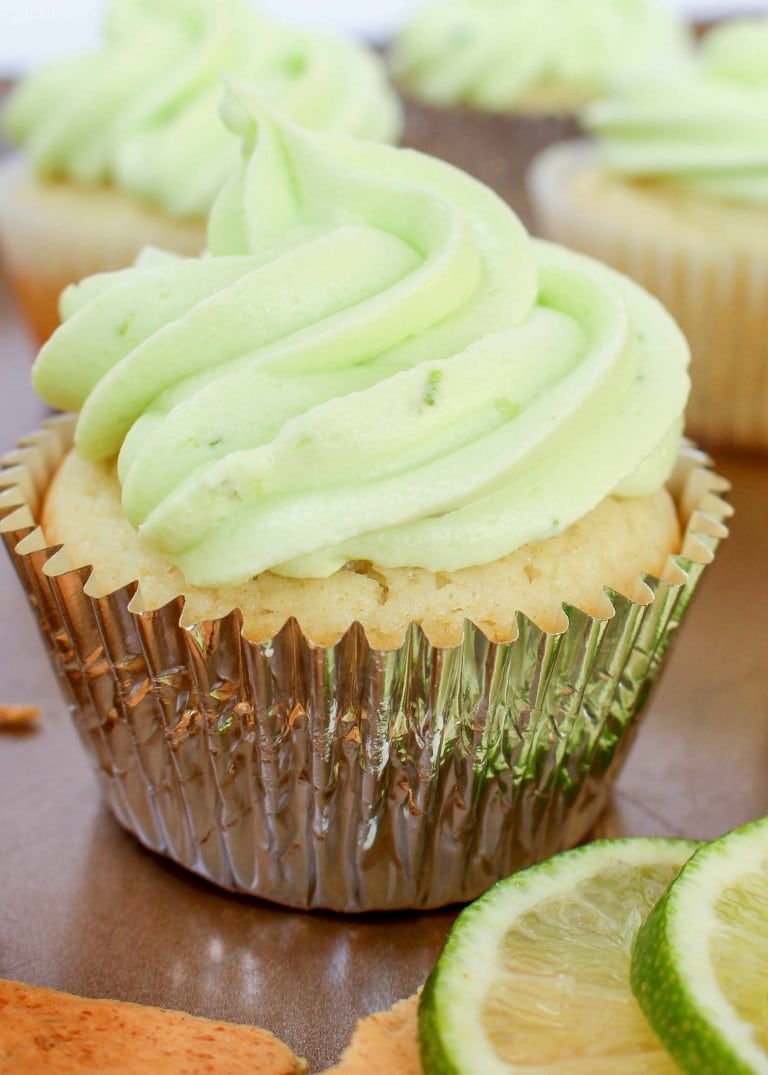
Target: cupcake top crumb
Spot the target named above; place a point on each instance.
(612, 546)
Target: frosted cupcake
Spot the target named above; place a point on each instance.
(489, 83)
(124, 147)
(675, 192)
(386, 532)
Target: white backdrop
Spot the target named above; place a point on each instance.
(32, 30)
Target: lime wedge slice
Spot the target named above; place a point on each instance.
(700, 967)
(534, 976)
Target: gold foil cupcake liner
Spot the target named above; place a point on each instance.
(495, 148)
(718, 297)
(346, 777)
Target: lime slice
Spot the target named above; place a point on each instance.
(700, 967)
(534, 976)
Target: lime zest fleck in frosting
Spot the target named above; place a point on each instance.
(551, 55)
(705, 130)
(142, 111)
(383, 366)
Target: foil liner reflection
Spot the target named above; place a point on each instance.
(347, 777)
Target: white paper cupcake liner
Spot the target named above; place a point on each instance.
(346, 777)
(717, 294)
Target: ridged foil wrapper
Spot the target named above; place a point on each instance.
(346, 777)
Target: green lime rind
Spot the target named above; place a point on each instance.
(670, 1008)
(452, 1039)
(672, 975)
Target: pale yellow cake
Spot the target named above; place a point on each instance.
(612, 547)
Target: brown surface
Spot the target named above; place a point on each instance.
(496, 149)
(85, 909)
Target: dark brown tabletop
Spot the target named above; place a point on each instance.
(84, 908)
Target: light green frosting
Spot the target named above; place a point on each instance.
(142, 111)
(736, 51)
(501, 55)
(706, 130)
(374, 362)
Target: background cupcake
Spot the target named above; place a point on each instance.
(489, 83)
(336, 417)
(674, 191)
(124, 147)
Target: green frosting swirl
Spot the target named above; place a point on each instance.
(374, 362)
(736, 51)
(707, 130)
(503, 55)
(142, 111)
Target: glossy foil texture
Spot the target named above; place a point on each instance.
(346, 777)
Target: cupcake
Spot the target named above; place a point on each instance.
(374, 535)
(674, 191)
(489, 83)
(124, 148)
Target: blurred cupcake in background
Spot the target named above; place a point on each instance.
(674, 191)
(489, 83)
(123, 147)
